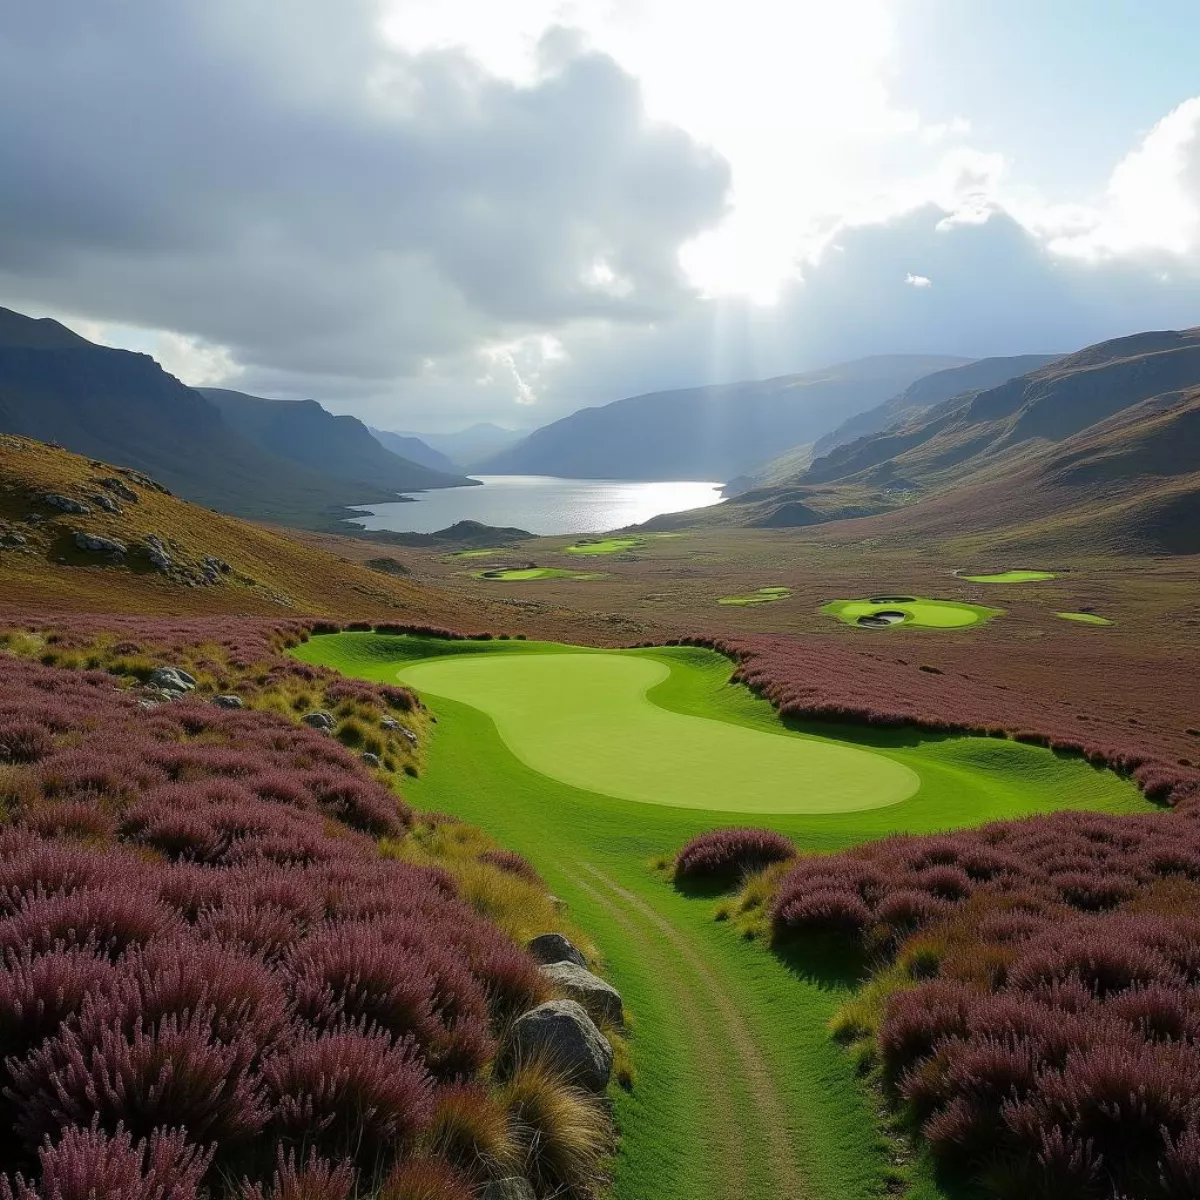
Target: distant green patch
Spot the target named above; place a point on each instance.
(1085, 618)
(484, 553)
(764, 595)
(520, 574)
(612, 545)
(1011, 577)
(882, 612)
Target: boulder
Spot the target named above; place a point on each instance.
(64, 503)
(371, 760)
(549, 948)
(389, 723)
(107, 503)
(408, 733)
(318, 720)
(562, 1032)
(171, 679)
(601, 1000)
(514, 1188)
(229, 702)
(95, 544)
(121, 489)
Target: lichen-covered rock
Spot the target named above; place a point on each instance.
(229, 701)
(119, 488)
(95, 544)
(107, 503)
(318, 720)
(601, 1000)
(389, 723)
(549, 948)
(562, 1032)
(371, 760)
(64, 503)
(172, 679)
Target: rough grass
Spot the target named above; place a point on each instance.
(764, 595)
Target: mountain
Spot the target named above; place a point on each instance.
(342, 447)
(466, 447)
(415, 450)
(1104, 443)
(122, 407)
(710, 432)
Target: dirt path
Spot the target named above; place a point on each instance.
(713, 1021)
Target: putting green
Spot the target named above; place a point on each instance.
(1011, 577)
(884, 611)
(1084, 618)
(585, 720)
(765, 595)
(510, 574)
(613, 545)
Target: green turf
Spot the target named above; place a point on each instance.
(611, 545)
(914, 611)
(584, 720)
(1084, 618)
(1011, 577)
(764, 595)
(669, 1123)
(511, 574)
(484, 553)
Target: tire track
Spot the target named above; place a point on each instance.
(773, 1116)
(723, 1134)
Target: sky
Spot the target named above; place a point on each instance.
(434, 212)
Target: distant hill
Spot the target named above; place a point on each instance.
(1104, 443)
(710, 432)
(124, 408)
(302, 431)
(467, 447)
(415, 450)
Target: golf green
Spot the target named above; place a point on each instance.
(1083, 618)
(1011, 577)
(740, 1090)
(885, 611)
(612, 545)
(586, 720)
(521, 574)
(764, 595)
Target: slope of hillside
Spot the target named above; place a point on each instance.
(135, 548)
(124, 408)
(469, 446)
(414, 449)
(303, 432)
(710, 432)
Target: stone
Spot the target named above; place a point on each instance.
(172, 679)
(513, 1188)
(64, 503)
(389, 723)
(549, 948)
(15, 539)
(318, 720)
(229, 702)
(371, 760)
(601, 1000)
(563, 1033)
(95, 544)
(120, 488)
(107, 503)
(408, 733)
(146, 703)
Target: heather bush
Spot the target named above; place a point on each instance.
(732, 853)
(313, 1179)
(426, 1179)
(514, 864)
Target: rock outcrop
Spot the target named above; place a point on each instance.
(601, 1000)
(562, 1032)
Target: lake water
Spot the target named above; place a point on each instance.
(542, 504)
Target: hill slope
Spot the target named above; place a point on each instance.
(710, 432)
(414, 449)
(124, 408)
(303, 432)
(467, 447)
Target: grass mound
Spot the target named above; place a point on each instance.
(1018, 576)
(882, 612)
(611, 545)
(522, 574)
(764, 595)
(1085, 618)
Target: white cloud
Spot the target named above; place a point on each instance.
(918, 281)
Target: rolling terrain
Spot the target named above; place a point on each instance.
(709, 432)
(415, 450)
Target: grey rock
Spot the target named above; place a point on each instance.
(172, 679)
(371, 760)
(600, 998)
(229, 702)
(408, 733)
(549, 948)
(107, 503)
(99, 545)
(389, 723)
(120, 488)
(14, 539)
(147, 703)
(562, 1032)
(64, 503)
(212, 563)
(514, 1188)
(318, 720)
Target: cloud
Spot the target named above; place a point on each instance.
(918, 281)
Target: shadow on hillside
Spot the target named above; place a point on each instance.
(827, 962)
(707, 887)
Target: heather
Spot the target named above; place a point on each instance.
(1032, 1004)
(215, 983)
(725, 854)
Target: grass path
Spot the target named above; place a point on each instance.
(740, 1092)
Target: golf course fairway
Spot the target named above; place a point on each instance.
(521, 574)
(1019, 576)
(882, 613)
(740, 1093)
(1083, 618)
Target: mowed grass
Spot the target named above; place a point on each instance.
(522, 574)
(764, 595)
(910, 611)
(1083, 618)
(610, 545)
(1019, 576)
(731, 1045)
